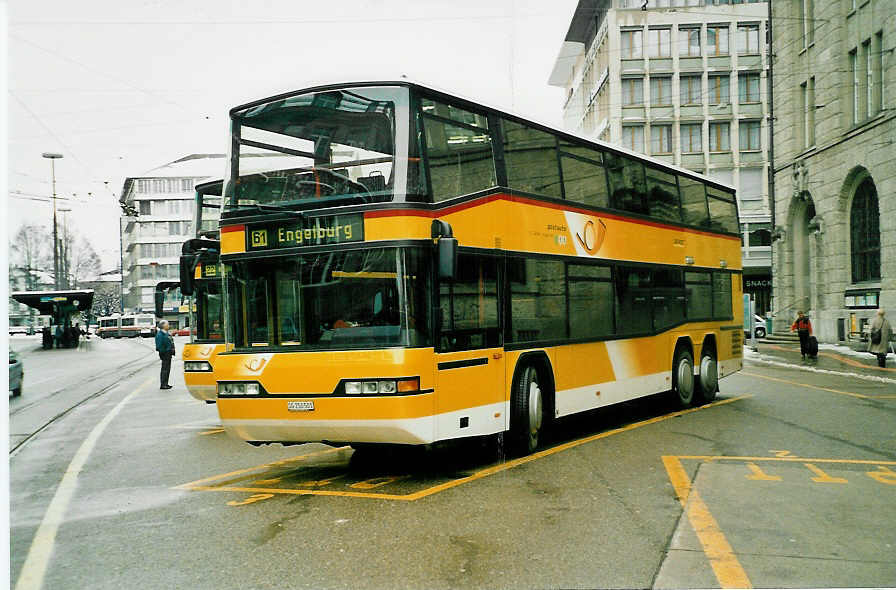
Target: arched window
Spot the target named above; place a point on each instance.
(864, 231)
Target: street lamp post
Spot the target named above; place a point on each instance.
(53, 157)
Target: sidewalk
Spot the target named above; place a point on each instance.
(831, 358)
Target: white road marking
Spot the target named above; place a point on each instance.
(35, 568)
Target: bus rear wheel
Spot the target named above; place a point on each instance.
(708, 382)
(683, 378)
(527, 412)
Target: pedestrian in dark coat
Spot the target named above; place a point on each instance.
(882, 346)
(803, 327)
(165, 347)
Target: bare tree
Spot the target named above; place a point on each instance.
(81, 262)
(30, 254)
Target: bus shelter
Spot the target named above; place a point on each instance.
(63, 307)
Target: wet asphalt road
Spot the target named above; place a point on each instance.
(789, 480)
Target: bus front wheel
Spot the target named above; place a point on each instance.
(683, 378)
(527, 407)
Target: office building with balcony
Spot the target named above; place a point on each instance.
(158, 211)
(685, 81)
(835, 170)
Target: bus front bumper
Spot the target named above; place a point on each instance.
(396, 420)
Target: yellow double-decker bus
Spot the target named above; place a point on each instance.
(201, 279)
(413, 267)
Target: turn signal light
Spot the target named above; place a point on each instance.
(406, 385)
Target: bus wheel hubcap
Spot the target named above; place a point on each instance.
(534, 407)
(685, 378)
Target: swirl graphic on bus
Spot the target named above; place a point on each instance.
(591, 236)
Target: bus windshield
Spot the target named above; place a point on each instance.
(319, 149)
(209, 309)
(330, 301)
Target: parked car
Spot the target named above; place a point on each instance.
(29, 330)
(16, 374)
(758, 327)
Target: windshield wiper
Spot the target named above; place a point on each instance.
(271, 208)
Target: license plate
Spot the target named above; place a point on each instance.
(302, 406)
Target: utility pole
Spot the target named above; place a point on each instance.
(53, 157)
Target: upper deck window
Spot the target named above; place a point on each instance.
(458, 150)
(320, 149)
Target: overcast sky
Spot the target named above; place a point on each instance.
(123, 86)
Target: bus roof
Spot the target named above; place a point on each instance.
(475, 103)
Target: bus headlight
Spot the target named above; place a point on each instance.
(381, 386)
(197, 366)
(240, 388)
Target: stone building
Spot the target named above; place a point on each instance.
(834, 158)
(686, 82)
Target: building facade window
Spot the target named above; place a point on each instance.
(691, 138)
(633, 91)
(868, 62)
(659, 42)
(854, 91)
(748, 39)
(748, 87)
(864, 230)
(661, 139)
(749, 190)
(719, 89)
(631, 43)
(807, 116)
(633, 137)
(749, 134)
(720, 136)
(689, 42)
(661, 91)
(807, 21)
(878, 65)
(690, 89)
(716, 40)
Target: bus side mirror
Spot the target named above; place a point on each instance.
(187, 270)
(447, 258)
(160, 299)
(446, 249)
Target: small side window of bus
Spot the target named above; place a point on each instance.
(722, 214)
(590, 301)
(633, 300)
(721, 295)
(458, 150)
(584, 177)
(668, 298)
(628, 190)
(698, 287)
(662, 191)
(530, 156)
(537, 299)
(469, 305)
(693, 201)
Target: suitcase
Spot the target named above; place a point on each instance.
(813, 347)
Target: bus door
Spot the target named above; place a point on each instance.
(470, 357)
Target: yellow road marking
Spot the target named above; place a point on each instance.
(38, 558)
(822, 476)
(215, 431)
(785, 459)
(722, 559)
(759, 475)
(850, 393)
(197, 485)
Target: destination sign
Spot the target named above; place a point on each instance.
(317, 231)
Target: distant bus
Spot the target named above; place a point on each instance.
(109, 326)
(418, 267)
(201, 259)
